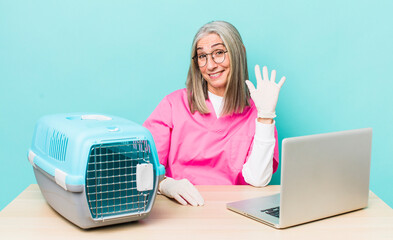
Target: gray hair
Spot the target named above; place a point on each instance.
(236, 96)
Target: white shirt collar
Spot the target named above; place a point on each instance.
(217, 103)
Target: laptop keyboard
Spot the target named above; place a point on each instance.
(275, 212)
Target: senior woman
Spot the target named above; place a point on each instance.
(212, 132)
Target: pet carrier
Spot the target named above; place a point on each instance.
(95, 170)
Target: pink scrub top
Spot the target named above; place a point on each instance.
(202, 148)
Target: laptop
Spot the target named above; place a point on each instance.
(321, 176)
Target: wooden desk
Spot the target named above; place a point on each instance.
(30, 217)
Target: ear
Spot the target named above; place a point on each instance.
(244, 48)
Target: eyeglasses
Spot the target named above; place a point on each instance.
(218, 56)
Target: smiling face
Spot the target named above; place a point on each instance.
(215, 74)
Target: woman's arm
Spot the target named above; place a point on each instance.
(160, 123)
(258, 169)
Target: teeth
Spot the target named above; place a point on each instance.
(215, 75)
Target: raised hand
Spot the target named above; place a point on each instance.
(265, 96)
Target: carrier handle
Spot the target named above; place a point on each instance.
(54, 174)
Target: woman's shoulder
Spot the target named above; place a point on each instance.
(177, 95)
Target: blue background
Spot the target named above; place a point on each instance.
(123, 57)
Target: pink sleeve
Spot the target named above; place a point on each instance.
(275, 154)
(159, 123)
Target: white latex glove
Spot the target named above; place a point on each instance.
(266, 95)
(181, 190)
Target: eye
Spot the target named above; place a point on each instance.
(201, 56)
(219, 52)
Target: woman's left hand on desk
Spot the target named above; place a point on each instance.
(181, 190)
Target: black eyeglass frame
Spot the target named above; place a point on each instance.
(195, 58)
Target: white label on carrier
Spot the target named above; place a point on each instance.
(60, 178)
(144, 177)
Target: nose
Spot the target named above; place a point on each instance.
(211, 64)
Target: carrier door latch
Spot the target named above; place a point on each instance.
(144, 177)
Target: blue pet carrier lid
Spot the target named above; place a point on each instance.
(62, 143)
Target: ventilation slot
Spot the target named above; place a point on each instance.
(58, 146)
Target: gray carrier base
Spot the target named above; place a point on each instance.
(72, 204)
